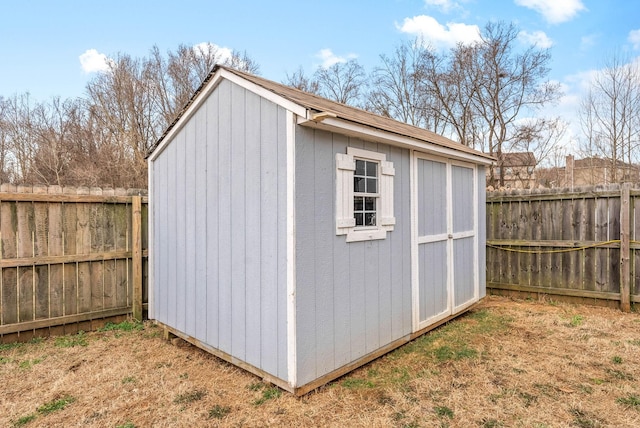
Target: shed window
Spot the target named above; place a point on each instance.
(364, 195)
(365, 190)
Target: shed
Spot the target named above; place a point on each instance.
(300, 238)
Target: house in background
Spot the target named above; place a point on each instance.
(299, 238)
(518, 168)
(589, 171)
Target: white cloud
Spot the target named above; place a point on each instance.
(538, 38)
(92, 61)
(634, 38)
(437, 34)
(206, 48)
(554, 11)
(329, 59)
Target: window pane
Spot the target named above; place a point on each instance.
(358, 204)
(372, 185)
(358, 184)
(369, 219)
(359, 219)
(360, 167)
(370, 204)
(371, 169)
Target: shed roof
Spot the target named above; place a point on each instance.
(311, 102)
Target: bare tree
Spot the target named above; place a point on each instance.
(399, 89)
(5, 155)
(510, 84)
(453, 79)
(541, 136)
(18, 133)
(103, 138)
(474, 93)
(300, 81)
(342, 82)
(610, 116)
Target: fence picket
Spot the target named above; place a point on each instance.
(65, 258)
(562, 221)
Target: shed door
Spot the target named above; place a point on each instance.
(445, 271)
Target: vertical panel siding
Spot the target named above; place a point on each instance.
(213, 220)
(351, 298)
(269, 242)
(462, 195)
(432, 198)
(482, 230)
(220, 195)
(252, 222)
(433, 277)
(464, 275)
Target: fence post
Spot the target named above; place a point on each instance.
(625, 257)
(136, 237)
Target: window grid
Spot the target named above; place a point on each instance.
(365, 189)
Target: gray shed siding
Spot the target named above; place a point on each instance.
(482, 230)
(351, 298)
(219, 207)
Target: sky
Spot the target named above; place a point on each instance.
(54, 47)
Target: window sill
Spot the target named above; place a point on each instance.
(366, 235)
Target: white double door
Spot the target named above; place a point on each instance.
(444, 265)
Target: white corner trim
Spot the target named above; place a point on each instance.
(150, 244)
(292, 363)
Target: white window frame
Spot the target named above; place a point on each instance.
(345, 219)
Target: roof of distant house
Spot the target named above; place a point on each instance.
(518, 159)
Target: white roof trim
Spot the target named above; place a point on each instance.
(206, 91)
(386, 137)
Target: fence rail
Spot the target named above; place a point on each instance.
(579, 244)
(69, 256)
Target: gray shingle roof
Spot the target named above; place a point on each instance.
(342, 111)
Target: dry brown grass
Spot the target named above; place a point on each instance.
(508, 363)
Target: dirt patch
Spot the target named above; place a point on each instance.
(507, 363)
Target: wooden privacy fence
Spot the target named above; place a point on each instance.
(70, 256)
(579, 244)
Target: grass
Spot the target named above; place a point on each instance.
(584, 419)
(576, 320)
(24, 420)
(354, 383)
(127, 325)
(27, 364)
(268, 392)
(631, 401)
(55, 405)
(219, 412)
(443, 412)
(506, 363)
(190, 396)
(424, 357)
(70, 341)
(10, 346)
(44, 410)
